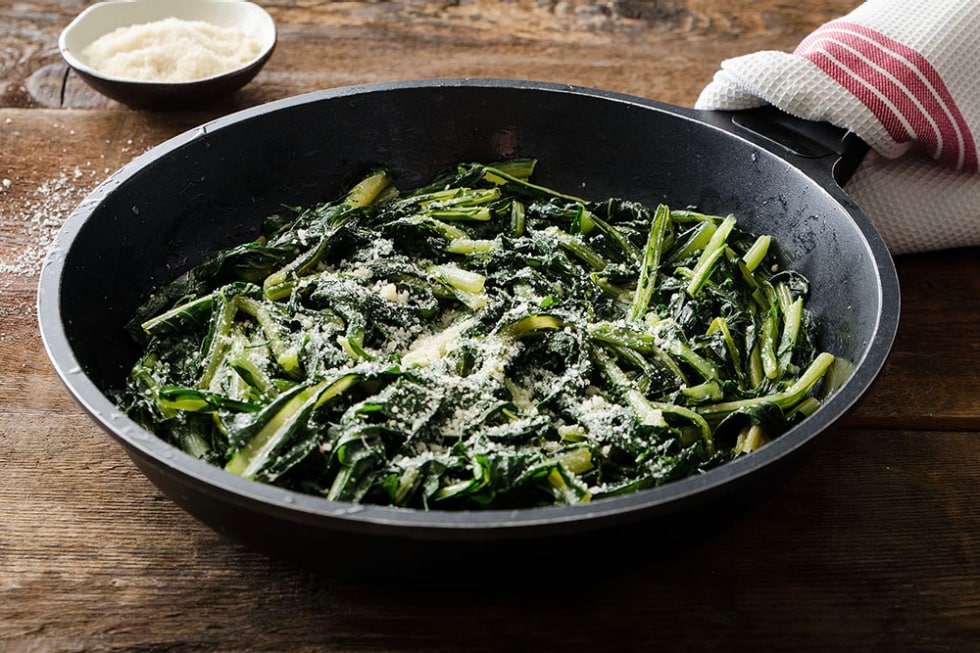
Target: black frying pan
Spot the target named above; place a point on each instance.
(210, 188)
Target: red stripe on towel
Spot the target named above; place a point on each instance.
(898, 85)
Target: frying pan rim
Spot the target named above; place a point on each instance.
(441, 524)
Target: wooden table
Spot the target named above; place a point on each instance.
(873, 543)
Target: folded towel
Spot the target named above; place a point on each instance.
(904, 75)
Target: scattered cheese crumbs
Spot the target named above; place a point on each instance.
(390, 292)
(170, 50)
(39, 217)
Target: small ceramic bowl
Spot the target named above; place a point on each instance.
(104, 17)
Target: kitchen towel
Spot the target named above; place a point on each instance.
(904, 75)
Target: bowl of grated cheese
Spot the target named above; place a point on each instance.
(175, 55)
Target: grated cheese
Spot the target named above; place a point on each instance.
(389, 291)
(170, 50)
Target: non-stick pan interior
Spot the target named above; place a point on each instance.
(211, 188)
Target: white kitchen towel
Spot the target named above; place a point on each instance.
(904, 75)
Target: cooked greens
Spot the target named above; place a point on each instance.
(479, 342)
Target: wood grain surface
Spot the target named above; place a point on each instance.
(871, 544)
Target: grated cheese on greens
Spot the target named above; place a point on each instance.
(480, 342)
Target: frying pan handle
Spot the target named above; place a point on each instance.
(822, 146)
